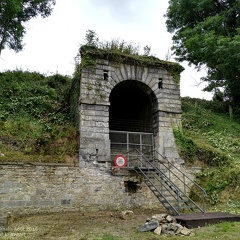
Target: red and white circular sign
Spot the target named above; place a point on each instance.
(120, 161)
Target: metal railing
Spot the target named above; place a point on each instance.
(159, 188)
(168, 173)
(138, 149)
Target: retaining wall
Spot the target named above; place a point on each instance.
(33, 188)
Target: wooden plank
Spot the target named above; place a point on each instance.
(201, 219)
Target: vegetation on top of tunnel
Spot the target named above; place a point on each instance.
(122, 52)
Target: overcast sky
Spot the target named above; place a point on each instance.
(52, 43)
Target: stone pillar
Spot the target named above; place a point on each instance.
(165, 143)
(94, 134)
(94, 115)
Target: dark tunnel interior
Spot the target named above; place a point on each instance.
(130, 108)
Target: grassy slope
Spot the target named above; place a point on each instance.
(34, 118)
(210, 138)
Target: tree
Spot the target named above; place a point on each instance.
(91, 38)
(207, 33)
(147, 50)
(13, 15)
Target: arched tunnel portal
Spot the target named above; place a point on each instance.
(131, 107)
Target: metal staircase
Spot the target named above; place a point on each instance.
(176, 191)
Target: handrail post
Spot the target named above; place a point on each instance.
(184, 184)
(169, 170)
(178, 201)
(203, 202)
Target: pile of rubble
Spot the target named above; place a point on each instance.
(164, 224)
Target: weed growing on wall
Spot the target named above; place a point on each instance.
(121, 51)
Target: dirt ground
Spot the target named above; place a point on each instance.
(102, 225)
(80, 225)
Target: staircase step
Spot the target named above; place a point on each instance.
(145, 169)
(187, 207)
(157, 179)
(162, 189)
(173, 201)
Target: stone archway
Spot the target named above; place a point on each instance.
(131, 107)
(106, 80)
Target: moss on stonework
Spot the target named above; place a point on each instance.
(90, 53)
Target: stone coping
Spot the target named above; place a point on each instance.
(38, 164)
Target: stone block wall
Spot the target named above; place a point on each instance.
(33, 188)
(94, 104)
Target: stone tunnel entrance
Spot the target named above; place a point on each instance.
(130, 108)
(130, 95)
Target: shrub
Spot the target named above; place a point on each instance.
(34, 118)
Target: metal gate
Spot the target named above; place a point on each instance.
(131, 145)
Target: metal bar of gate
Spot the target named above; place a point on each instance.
(122, 144)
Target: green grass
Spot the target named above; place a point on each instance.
(34, 118)
(209, 137)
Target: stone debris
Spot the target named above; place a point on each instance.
(158, 230)
(159, 217)
(127, 214)
(169, 218)
(164, 224)
(186, 232)
(148, 226)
